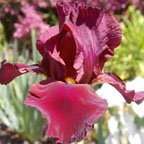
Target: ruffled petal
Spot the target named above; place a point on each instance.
(51, 32)
(129, 95)
(85, 40)
(70, 110)
(10, 71)
(96, 32)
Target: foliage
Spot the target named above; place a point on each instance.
(2, 36)
(128, 61)
(15, 114)
(25, 120)
(3, 43)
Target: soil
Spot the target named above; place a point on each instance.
(7, 136)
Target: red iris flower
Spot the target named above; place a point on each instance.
(74, 53)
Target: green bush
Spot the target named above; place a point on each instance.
(128, 61)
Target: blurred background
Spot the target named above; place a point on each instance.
(21, 21)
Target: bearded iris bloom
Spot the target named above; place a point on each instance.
(73, 56)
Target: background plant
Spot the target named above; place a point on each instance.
(128, 61)
(24, 120)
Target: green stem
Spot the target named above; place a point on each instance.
(101, 138)
(34, 51)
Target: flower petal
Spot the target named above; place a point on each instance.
(139, 97)
(56, 61)
(10, 71)
(115, 81)
(84, 42)
(61, 48)
(51, 32)
(95, 31)
(53, 69)
(70, 110)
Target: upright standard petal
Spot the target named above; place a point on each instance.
(129, 95)
(95, 32)
(70, 110)
(10, 71)
(85, 40)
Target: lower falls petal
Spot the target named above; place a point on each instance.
(70, 110)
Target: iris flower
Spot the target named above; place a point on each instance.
(73, 56)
